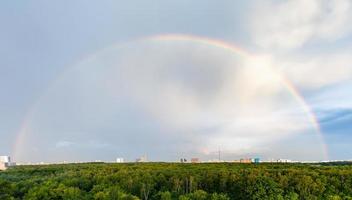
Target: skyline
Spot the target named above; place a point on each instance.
(176, 79)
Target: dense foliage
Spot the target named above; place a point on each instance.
(168, 181)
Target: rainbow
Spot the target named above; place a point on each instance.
(240, 51)
(233, 49)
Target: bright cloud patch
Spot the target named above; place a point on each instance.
(292, 23)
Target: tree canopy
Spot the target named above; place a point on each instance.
(177, 181)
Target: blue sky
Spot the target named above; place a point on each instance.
(46, 68)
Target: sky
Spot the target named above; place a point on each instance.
(96, 80)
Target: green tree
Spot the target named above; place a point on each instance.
(164, 195)
(6, 190)
(216, 196)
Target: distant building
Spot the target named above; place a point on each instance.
(142, 159)
(284, 161)
(195, 160)
(3, 166)
(183, 160)
(5, 159)
(256, 160)
(119, 160)
(245, 160)
(5, 162)
(215, 161)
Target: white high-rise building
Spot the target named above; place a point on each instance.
(119, 160)
(5, 159)
(5, 162)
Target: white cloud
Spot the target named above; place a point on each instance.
(317, 71)
(278, 26)
(292, 23)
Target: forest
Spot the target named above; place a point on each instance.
(177, 181)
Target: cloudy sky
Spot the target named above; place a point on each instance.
(84, 80)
